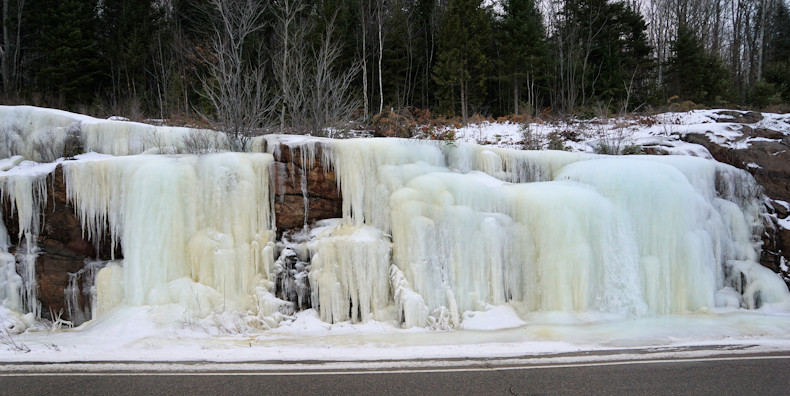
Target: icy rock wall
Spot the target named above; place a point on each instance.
(129, 138)
(25, 196)
(428, 231)
(195, 230)
(554, 231)
(305, 190)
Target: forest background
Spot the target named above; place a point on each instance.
(298, 66)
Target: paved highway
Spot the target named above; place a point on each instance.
(732, 375)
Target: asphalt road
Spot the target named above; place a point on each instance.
(745, 375)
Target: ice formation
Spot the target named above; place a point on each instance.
(195, 230)
(430, 231)
(43, 135)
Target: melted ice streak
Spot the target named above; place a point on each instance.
(550, 231)
(195, 230)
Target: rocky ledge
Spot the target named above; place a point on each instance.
(765, 153)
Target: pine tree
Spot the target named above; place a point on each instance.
(603, 52)
(67, 65)
(776, 84)
(524, 51)
(694, 74)
(462, 65)
(126, 34)
(624, 55)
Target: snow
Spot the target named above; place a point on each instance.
(38, 133)
(662, 130)
(492, 318)
(445, 250)
(308, 339)
(785, 222)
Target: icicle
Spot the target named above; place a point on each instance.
(349, 273)
(26, 192)
(26, 255)
(10, 281)
(411, 308)
(109, 289)
(194, 229)
(82, 288)
(27, 195)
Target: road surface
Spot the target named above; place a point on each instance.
(753, 374)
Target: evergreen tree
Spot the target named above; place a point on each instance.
(624, 55)
(777, 58)
(694, 74)
(462, 65)
(524, 52)
(126, 33)
(603, 54)
(399, 55)
(67, 64)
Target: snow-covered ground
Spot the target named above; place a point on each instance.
(150, 333)
(132, 334)
(663, 130)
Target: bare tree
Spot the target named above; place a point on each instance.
(292, 65)
(364, 18)
(331, 99)
(234, 84)
(10, 47)
(313, 93)
(379, 10)
(290, 36)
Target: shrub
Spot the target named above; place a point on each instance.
(531, 137)
(632, 149)
(555, 141)
(72, 144)
(394, 124)
(202, 142)
(445, 135)
(765, 94)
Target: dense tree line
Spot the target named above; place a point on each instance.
(306, 64)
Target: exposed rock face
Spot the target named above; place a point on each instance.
(63, 249)
(304, 192)
(749, 117)
(769, 162)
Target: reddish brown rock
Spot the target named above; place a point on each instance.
(290, 211)
(295, 179)
(62, 248)
(772, 160)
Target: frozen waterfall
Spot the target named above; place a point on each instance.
(429, 232)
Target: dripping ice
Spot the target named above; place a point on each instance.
(429, 232)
